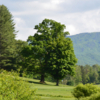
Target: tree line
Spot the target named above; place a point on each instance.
(85, 74)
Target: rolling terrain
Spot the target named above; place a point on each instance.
(87, 48)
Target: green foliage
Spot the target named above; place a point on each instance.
(20, 60)
(85, 74)
(71, 83)
(52, 51)
(7, 38)
(93, 76)
(86, 90)
(49, 78)
(78, 75)
(93, 97)
(19, 45)
(61, 58)
(35, 53)
(13, 88)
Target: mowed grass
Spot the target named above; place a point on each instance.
(50, 91)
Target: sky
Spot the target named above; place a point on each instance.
(79, 16)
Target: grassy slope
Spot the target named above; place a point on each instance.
(49, 91)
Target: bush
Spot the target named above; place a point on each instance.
(81, 90)
(71, 83)
(13, 88)
(93, 97)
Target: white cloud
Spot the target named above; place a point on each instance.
(75, 22)
(35, 7)
(78, 15)
(23, 29)
(57, 1)
(82, 22)
(19, 22)
(72, 30)
(24, 33)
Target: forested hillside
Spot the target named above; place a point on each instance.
(87, 48)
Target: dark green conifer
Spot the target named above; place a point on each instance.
(7, 38)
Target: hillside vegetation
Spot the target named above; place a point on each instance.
(87, 48)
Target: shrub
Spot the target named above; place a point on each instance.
(13, 88)
(81, 90)
(71, 83)
(93, 97)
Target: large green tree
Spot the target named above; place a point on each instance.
(7, 38)
(53, 51)
(59, 57)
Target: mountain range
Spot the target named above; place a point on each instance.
(87, 48)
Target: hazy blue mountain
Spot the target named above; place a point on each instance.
(87, 48)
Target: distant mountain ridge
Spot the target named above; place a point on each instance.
(87, 48)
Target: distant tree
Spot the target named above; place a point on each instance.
(78, 75)
(93, 74)
(96, 69)
(7, 38)
(85, 70)
(99, 76)
(93, 77)
(19, 58)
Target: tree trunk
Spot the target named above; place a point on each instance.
(57, 83)
(42, 78)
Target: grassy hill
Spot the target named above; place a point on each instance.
(87, 48)
(50, 91)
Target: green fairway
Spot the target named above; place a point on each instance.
(49, 91)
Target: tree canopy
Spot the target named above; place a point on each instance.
(53, 52)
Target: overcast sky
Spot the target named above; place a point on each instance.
(78, 15)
